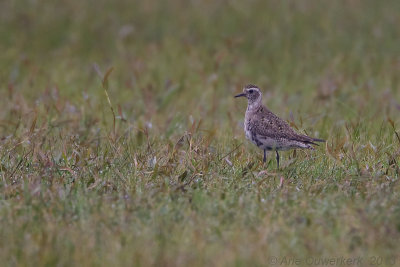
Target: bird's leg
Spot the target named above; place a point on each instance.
(265, 156)
(277, 158)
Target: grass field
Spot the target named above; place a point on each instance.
(121, 143)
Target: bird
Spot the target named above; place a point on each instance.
(266, 130)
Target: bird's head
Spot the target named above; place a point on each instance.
(252, 93)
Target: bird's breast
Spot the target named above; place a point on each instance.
(248, 128)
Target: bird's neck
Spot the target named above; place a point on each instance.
(254, 104)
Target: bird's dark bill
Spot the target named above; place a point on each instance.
(239, 95)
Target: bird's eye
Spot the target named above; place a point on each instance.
(251, 91)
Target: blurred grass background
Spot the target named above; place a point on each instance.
(170, 182)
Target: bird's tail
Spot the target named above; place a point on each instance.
(309, 140)
(318, 140)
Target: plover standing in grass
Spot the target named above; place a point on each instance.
(268, 131)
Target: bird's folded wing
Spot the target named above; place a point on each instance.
(276, 128)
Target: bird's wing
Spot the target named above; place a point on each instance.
(268, 125)
(271, 126)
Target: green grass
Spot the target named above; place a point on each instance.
(166, 177)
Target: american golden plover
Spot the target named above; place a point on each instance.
(268, 131)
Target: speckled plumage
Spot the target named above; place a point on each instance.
(268, 131)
